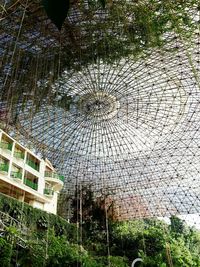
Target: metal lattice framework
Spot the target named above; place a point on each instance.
(131, 129)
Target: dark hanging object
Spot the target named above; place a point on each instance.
(57, 11)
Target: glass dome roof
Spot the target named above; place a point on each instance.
(131, 131)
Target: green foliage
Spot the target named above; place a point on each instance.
(6, 252)
(181, 254)
(51, 241)
(177, 226)
(113, 261)
(126, 29)
(92, 215)
(60, 252)
(34, 254)
(36, 219)
(141, 22)
(156, 243)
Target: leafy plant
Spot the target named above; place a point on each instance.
(6, 252)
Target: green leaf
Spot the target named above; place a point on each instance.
(103, 3)
(56, 11)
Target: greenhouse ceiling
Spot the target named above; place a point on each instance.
(110, 94)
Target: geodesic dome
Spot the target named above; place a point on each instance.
(115, 112)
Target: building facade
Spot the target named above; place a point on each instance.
(26, 177)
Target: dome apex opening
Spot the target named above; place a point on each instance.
(98, 105)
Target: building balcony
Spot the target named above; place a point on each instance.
(7, 146)
(16, 175)
(48, 192)
(19, 155)
(54, 176)
(32, 164)
(31, 184)
(55, 179)
(4, 167)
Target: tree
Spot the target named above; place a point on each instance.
(177, 226)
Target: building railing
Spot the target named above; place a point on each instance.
(54, 175)
(32, 164)
(17, 175)
(5, 145)
(31, 184)
(48, 191)
(4, 167)
(19, 154)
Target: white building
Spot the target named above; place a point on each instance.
(26, 177)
